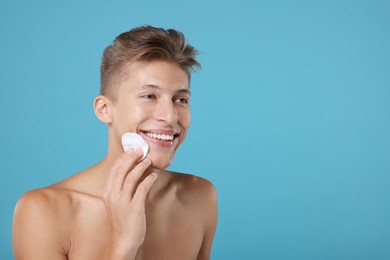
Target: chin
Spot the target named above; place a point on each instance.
(161, 161)
(160, 165)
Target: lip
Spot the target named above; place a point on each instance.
(158, 142)
(161, 131)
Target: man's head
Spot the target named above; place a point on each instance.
(143, 44)
(145, 90)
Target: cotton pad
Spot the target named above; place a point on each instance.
(135, 141)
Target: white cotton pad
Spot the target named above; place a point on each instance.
(135, 141)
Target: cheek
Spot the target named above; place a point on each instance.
(129, 117)
(185, 118)
(184, 122)
(138, 112)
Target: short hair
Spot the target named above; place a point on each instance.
(145, 43)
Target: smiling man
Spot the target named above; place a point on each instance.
(124, 207)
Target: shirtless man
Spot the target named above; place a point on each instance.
(122, 207)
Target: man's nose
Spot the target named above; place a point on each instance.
(166, 111)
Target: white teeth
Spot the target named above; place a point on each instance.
(161, 136)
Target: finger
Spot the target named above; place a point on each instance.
(120, 169)
(143, 189)
(133, 177)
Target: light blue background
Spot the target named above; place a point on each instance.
(290, 113)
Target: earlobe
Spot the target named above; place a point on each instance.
(102, 110)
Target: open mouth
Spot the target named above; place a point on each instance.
(160, 136)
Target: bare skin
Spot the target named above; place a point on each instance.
(121, 208)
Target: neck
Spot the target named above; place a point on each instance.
(114, 152)
(106, 164)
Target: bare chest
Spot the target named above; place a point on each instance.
(173, 232)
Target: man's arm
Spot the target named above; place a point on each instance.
(125, 205)
(210, 214)
(36, 232)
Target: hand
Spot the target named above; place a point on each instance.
(125, 201)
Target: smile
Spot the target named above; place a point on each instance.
(161, 136)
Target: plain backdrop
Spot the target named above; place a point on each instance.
(291, 114)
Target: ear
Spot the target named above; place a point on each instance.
(102, 109)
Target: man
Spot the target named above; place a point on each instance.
(124, 207)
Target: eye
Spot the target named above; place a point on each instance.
(182, 100)
(149, 96)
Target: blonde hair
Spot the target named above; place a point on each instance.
(145, 43)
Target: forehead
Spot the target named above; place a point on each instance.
(158, 73)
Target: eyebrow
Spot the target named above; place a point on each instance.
(182, 90)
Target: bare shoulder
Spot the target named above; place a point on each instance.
(39, 222)
(195, 192)
(56, 204)
(193, 187)
(43, 201)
